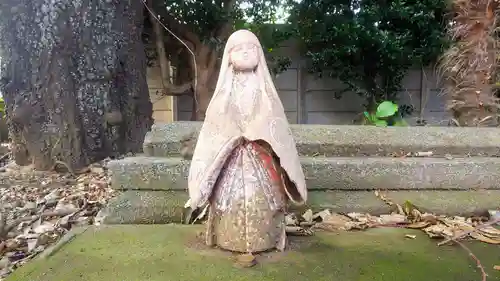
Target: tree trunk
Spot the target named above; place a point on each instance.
(469, 65)
(206, 63)
(204, 92)
(74, 80)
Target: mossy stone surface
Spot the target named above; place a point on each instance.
(172, 252)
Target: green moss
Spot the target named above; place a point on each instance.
(166, 252)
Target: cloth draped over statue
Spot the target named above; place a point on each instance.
(245, 164)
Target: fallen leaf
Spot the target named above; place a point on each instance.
(429, 218)
(298, 231)
(352, 225)
(496, 267)
(64, 221)
(4, 262)
(32, 243)
(438, 231)
(308, 216)
(333, 222)
(365, 218)
(291, 219)
(37, 208)
(393, 219)
(321, 215)
(44, 227)
(411, 236)
(97, 170)
(489, 230)
(418, 225)
(483, 238)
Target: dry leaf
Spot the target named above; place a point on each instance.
(489, 230)
(485, 239)
(411, 236)
(438, 230)
(4, 262)
(298, 231)
(393, 219)
(321, 215)
(366, 218)
(37, 208)
(291, 219)
(418, 225)
(334, 222)
(352, 225)
(32, 244)
(308, 216)
(44, 227)
(496, 267)
(429, 218)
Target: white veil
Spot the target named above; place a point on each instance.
(220, 133)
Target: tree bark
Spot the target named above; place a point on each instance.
(470, 64)
(73, 79)
(206, 63)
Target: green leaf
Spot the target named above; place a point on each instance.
(380, 123)
(386, 109)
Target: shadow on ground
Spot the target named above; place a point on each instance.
(174, 252)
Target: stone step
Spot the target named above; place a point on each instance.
(341, 140)
(331, 173)
(166, 206)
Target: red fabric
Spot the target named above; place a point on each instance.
(268, 161)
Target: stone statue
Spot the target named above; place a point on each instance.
(245, 165)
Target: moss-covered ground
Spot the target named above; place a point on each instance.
(173, 253)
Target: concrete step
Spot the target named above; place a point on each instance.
(331, 173)
(166, 206)
(155, 188)
(332, 140)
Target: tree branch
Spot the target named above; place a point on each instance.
(182, 30)
(167, 88)
(185, 89)
(160, 49)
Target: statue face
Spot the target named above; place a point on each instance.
(244, 57)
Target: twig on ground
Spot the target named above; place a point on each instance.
(484, 275)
